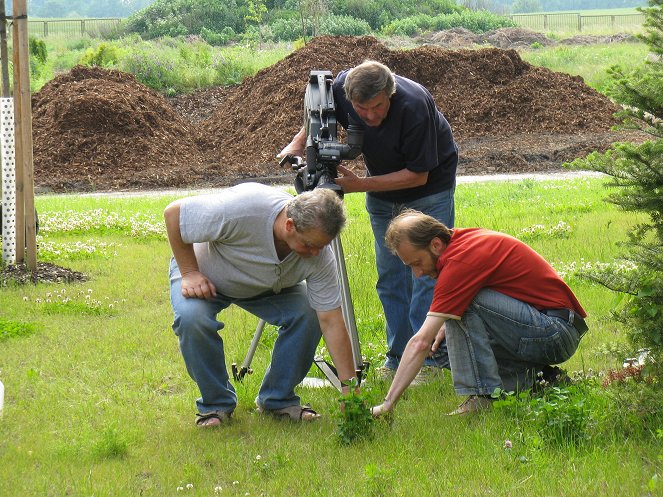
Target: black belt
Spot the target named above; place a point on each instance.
(571, 317)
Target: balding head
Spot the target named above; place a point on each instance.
(416, 228)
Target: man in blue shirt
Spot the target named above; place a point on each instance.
(411, 159)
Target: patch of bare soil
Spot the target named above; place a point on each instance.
(20, 274)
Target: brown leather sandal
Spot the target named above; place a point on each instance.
(212, 418)
(294, 413)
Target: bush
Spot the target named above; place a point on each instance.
(343, 26)
(476, 21)
(105, 55)
(378, 13)
(183, 17)
(38, 49)
(290, 29)
(213, 38)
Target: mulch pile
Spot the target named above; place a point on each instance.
(100, 129)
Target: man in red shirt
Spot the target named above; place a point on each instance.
(505, 312)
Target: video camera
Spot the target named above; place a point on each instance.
(323, 151)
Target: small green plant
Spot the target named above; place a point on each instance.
(355, 420)
(536, 45)
(14, 329)
(561, 416)
(379, 481)
(112, 444)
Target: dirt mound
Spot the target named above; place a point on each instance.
(516, 38)
(598, 39)
(95, 128)
(100, 129)
(481, 92)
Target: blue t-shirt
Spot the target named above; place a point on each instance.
(414, 135)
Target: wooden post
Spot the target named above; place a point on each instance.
(579, 22)
(3, 50)
(26, 236)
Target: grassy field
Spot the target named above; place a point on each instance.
(589, 61)
(186, 67)
(98, 401)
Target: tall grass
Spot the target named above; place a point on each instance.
(588, 61)
(99, 403)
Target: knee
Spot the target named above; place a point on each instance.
(193, 320)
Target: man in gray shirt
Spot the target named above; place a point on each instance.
(267, 252)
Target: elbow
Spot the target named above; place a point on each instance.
(419, 345)
(418, 179)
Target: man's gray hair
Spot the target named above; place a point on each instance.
(365, 81)
(320, 209)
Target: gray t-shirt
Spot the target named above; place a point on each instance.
(233, 237)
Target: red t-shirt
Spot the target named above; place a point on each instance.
(477, 258)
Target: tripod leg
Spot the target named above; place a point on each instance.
(246, 365)
(349, 318)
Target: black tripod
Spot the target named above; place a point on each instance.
(323, 154)
(361, 366)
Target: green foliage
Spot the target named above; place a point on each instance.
(183, 17)
(378, 13)
(216, 39)
(105, 55)
(561, 415)
(476, 21)
(38, 56)
(38, 49)
(14, 329)
(355, 421)
(112, 444)
(637, 172)
(334, 25)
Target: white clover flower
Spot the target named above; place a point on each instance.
(217, 490)
(258, 457)
(179, 489)
(235, 482)
(189, 486)
(508, 444)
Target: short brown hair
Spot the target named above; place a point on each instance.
(365, 81)
(417, 228)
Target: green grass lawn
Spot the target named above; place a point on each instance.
(98, 401)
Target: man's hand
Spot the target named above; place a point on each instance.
(438, 338)
(295, 147)
(383, 409)
(196, 285)
(350, 182)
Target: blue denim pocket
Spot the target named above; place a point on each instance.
(552, 349)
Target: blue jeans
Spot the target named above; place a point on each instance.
(405, 299)
(197, 328)
(501, 342)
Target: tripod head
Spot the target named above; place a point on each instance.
(323, 150)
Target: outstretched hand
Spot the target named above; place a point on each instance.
(382, 410)
(196, 285)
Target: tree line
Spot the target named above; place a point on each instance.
(125, 8)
